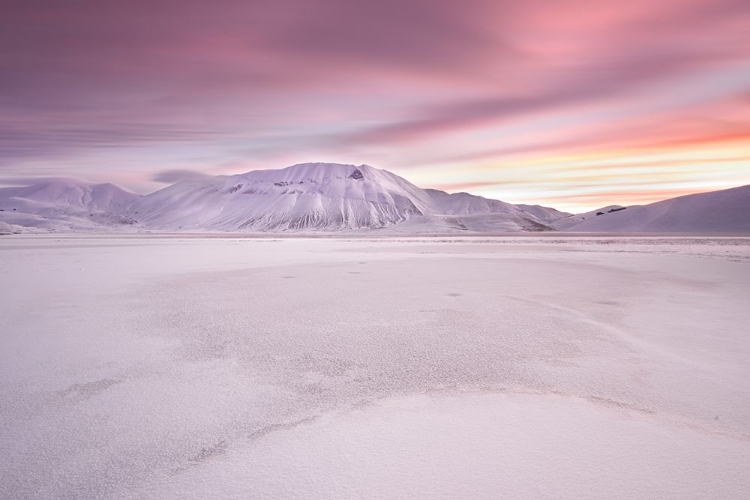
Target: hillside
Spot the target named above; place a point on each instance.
(726, 211)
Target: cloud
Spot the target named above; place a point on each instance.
(588, 84)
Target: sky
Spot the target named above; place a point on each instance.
(574, 104)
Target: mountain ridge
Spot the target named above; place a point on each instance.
(340, 197)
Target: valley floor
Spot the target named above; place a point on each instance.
(140, 366)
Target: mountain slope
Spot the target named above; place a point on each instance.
(572, 220)
(478, 223)
(726, 211)
(466, 204)
(545, 214)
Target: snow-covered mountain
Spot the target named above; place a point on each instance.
(313, 196)
(468, 204)
(309, 196)
(305, 196)
(65, 205)
(726, 211)
(334, 197)
(69, 194)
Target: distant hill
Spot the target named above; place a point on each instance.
(726, 211)
(66, 205)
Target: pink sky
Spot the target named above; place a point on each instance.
(574, 104)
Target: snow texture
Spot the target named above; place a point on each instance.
(138, 366)
(6, 228)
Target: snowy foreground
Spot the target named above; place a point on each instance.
(140, 367)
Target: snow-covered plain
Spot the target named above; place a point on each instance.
(515, 367)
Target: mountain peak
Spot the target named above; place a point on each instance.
(317, 171)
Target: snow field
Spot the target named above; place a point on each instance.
(189, 367)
